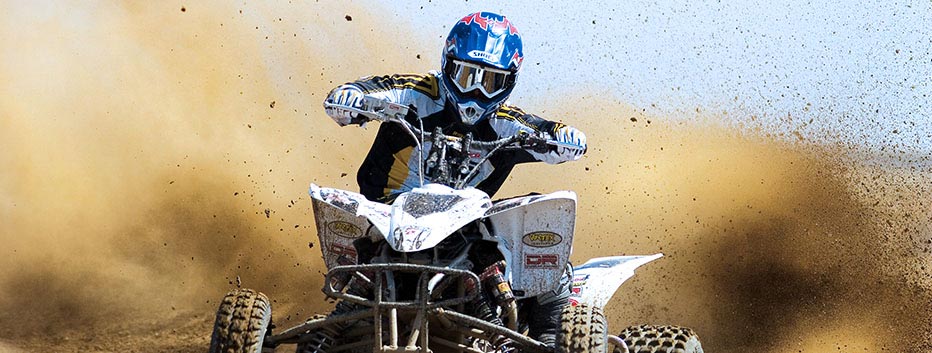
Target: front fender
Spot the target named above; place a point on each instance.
(596, 281)
(535, 235)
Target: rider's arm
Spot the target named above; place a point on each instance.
(421, 91)
(510, 120)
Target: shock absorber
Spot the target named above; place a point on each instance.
(320, 342)
(494, 279)
(325, 337)
(483, 310)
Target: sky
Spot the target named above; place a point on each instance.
(836, 72)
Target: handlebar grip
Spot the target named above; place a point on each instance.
(565, 145)
(348, 108)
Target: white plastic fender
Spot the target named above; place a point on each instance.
(423, 217)
(596, 281)
(338, 223)
(417, 220)
(535, 235)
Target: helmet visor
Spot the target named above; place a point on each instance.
(471, 77)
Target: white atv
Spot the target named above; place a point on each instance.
(443, 268)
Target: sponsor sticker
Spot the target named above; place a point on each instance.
(478, 54)
(413, 235)
(503, 287)
(344, 229)
(338, 249)
(580, 280)
(542, 239)
(541, 260)
(338, 199)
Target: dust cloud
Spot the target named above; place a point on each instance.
(156, 156)
(156, 152)
(770, 246)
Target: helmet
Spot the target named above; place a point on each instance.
(480, 63)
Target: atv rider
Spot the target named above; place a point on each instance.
(480, 63)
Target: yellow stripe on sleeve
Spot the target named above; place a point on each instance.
(399, 171)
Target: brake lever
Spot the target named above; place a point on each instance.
(376, 109)
(387, 110)
(536, 143)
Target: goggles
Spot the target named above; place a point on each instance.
(471, 77)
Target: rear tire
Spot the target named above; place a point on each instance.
(582, 330)
(660, 339)
(243, 320)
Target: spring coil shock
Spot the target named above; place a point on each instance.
(482, 309)
(320, 342)
(324, 338)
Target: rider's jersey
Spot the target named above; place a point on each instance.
(391, 167)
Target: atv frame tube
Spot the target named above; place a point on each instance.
(422, 306)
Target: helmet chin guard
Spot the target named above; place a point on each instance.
(470, 112)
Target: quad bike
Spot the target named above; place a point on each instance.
(443, 268)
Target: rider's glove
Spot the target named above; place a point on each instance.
(350, 96)
(570, 136)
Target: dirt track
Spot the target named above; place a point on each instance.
(156, 152)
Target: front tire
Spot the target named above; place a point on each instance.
(582, 330)
(243, 320)
(660, 339)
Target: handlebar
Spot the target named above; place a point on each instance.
(382, 110)
(385, 111)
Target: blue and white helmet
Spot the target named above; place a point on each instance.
(480, 63)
